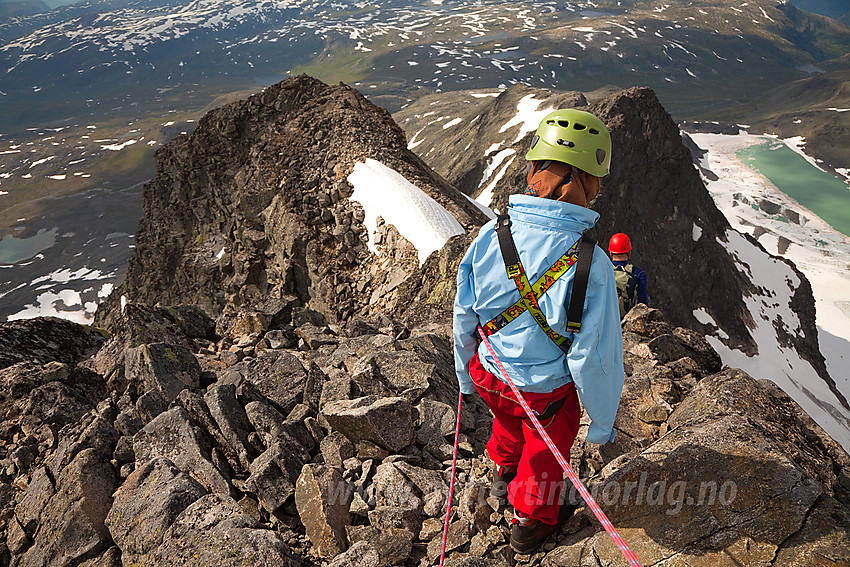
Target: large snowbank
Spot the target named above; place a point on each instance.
(383, 192)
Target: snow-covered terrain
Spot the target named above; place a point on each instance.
(383, 192)
(821, 253)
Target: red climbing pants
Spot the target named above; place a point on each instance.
(516, 444)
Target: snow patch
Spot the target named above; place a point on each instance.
(528, 116)
(382, 191)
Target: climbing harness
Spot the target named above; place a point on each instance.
(574, 479)
(451, 483)
(581, 252)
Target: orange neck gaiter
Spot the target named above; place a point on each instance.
(561, 182)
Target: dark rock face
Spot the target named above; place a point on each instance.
(254, 204)
(46, 339)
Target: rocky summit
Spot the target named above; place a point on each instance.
(268, 389)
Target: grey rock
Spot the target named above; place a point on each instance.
(460, 532)
(336, 448)
(389, 517)
(92, 432)
(277, 375)
(173, 436)
(146, 505)
(40, 490)
(71, 527)
(232, 420)
(273, 428)
(123, 453)
(151, 404)
(46, 339)
(109, 558)
(273, 477)
(314, 337)
(279, 339)
(393, 488)
(165, 367)
(17, 539)
(436, 421)
(323, 498)
(215, 531)
(360, 554)
(128, 423)
(385, 421)
(393, 546)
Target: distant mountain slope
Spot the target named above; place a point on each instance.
(835, 9)
(116, 56)
(11, 8)
(816, 108)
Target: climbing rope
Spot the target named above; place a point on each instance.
(451, 483)
(585, 494)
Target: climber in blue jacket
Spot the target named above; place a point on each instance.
(569, 154)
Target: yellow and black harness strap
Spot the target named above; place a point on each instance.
(530, 293)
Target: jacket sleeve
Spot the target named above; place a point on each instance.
(464, 323)
(596, 357)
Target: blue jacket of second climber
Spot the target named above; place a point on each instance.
(543, 230)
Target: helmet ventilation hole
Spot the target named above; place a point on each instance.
(593, 131)
(579, 126)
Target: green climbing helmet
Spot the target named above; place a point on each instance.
(575, 137)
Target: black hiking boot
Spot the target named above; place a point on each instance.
(527, 534)
(502, 476)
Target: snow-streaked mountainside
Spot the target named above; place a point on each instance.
(816, 249)
(90, 91)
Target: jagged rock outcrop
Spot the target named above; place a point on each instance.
(254, 204)
(707, 464)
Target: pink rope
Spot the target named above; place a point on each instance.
(451, 483)
(585, 494)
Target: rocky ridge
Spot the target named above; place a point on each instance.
(302, 443)
(272, 429)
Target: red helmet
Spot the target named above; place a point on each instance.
(619, 244)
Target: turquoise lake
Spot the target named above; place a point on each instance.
(14, 250)
(824, 194)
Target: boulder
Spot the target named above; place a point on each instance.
(232, 420)
(360, 554)
(71, 527)
(214, 530)
(273, 477)
(741, 475)
(146, 505)
(278, 375)
(385, 421)
(173, 436)
(323, 497)
(389, 517)
(168, 368)
(40, 490)
(272, 428)
(393, 546)
(336, 448)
